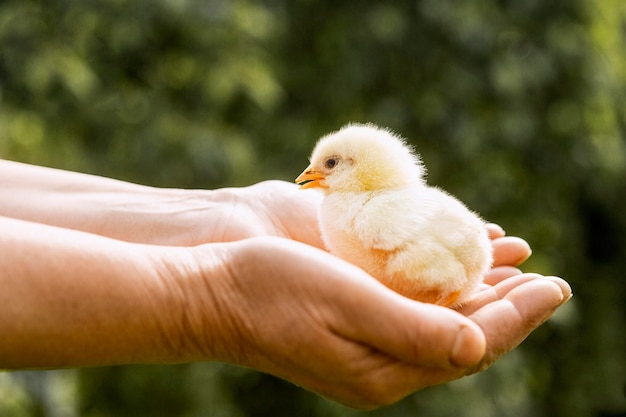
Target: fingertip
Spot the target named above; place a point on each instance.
(495, 230)
(523, 249)
(510, 250)
(469, 346)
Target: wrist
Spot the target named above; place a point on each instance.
(154, 216)
(229, 295)
(175, 217)
(168, 217)
(192, 307)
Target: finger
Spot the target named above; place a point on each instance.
(507, 322)
(494, 293)
(494, 231)
(414, 332)
(510, 250)
(500, 273)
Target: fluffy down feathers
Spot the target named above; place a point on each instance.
(379, 214)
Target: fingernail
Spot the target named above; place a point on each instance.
(566, 289)
(468, 348)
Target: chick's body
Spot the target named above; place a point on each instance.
(379, 214)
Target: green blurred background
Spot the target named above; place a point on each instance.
(517, 106)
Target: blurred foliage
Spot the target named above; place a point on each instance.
(518, 107)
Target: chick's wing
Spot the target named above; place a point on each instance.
(389, 221)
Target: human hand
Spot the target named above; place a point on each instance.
(269, 208)
(311, 318)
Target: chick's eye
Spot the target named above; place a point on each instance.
(331, 163)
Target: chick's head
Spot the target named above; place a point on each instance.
(361, 158)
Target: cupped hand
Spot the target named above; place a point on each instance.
(304, 315)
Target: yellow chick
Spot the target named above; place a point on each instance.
(379, 214)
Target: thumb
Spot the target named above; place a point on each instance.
(413, 332)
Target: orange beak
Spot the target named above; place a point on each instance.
(310, 179)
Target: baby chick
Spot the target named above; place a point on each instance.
(379, 214)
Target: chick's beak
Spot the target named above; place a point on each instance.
(310, 179)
